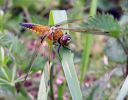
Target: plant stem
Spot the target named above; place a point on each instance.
(88, 44)
(51, 86)
(93, 8)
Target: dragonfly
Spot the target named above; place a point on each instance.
(54, 33)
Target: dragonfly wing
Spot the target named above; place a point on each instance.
(68, 22)
(89, 31)
(72, 21)
(34, 56)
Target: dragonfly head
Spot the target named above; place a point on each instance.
(65, 39)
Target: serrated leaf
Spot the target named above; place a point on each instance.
(105, 23)
(115, 51)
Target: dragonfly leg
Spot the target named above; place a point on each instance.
(42, 38)
(67, 48)
(58, 51)
(55, 43)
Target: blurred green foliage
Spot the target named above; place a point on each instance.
(15, 53)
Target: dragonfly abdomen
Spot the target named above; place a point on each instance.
(39, 29)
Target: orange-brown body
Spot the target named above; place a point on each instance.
(41, 30)
(53, 33)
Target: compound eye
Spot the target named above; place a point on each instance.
(66, 39)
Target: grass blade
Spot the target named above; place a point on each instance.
(42, 94)
(124, 90)
(88, 44)
(67, 60)
(70, 74)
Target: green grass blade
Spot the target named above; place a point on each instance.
(124, 90)
(70, 74)
(42, 94)
(86, 54)
(4, 70)
(44, 88)
(13, 72)
(88, 44)
(67, 60)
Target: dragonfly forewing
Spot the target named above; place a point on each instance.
(35, 53)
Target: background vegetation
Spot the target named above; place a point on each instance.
(101, 61)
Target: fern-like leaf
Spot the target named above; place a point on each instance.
(105, 23)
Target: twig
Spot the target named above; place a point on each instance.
(26, 14)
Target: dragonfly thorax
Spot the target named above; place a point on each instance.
(52, 30)
(63, 39)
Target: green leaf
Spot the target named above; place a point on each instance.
(67, 60)
(115, 51)
(104, 23)
(70, 74)
(124, 90)
(8, 89)
(1, 2)
(3, 81)
(39, 64)
(6, 73)
(20, 96)
(2, 54)
(4, 40)
(61, 91)
(42, 93)
(44, 87)
(19, 51)
(23, 3)
(6, 93)
(13, 72)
